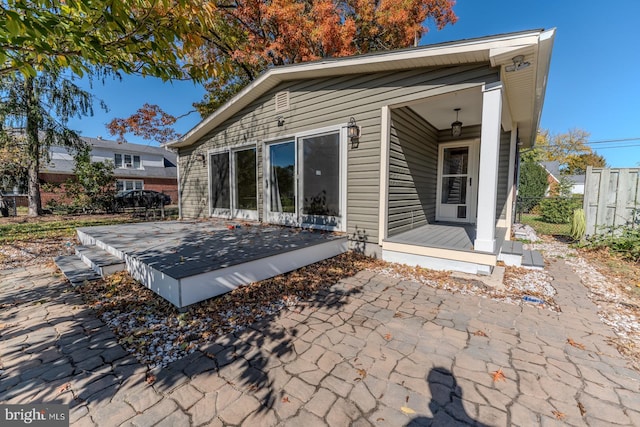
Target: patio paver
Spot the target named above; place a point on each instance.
(373, 351)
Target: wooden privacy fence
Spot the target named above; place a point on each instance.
(611, 198)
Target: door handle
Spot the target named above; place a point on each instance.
(470, 180)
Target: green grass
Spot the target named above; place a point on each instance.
(51, 229)
(542, 227)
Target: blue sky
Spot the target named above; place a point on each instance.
(594, 81)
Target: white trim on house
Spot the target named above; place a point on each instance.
(385, 139)
(489, 159)
(511, 187)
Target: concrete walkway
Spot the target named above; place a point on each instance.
(373, 351)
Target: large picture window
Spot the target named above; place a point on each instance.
(305, 180)
(282, 177)
(233, 178)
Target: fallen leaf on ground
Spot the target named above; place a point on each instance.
(575, 344)
(480, 334)
(151, 379)
(582, 410)
(285, 399)
(362, 373)
(387, 337)
(380, 419)
(64, 388)
(559, 415)
(498, 375)
(397, 314)
(408, 411)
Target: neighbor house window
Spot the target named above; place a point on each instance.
(129, 184)
(126, 161)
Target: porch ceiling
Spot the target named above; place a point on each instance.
(439, 110)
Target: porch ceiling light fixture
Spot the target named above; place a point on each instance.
(353, 132)
(518, 64)
(456, 127)
(201, 158)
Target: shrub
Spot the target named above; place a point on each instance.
(622, 239)
(559, 210)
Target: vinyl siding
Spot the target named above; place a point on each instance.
(413, 163)
(319, 103)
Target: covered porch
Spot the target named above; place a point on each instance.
(443, 246)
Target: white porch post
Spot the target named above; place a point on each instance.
(488, 174)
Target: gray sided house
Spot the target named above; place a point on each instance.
(411, 153)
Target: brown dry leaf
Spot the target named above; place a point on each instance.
(498, 375)
(407, 411)
(151, 379)
(397, 314)
(480, 334)
(559, 415)
(362, 373)
(285, 399)
(380, 419)
(571, 342)
(64, 388)
(387, 337)
(582, 410)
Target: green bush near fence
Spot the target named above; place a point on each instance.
(559, 210)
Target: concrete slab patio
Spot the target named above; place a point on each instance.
(371, 351)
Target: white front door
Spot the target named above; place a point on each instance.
(457, 181)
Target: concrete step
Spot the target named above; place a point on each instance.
(532, 260)
(99, 260)
(75, 270)
(511, 253)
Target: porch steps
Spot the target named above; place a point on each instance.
(532, 259)
(99, 260)
(512, 253)
(75, 270)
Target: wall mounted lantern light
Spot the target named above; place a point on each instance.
(201, 158)
(280, 121)
(456, 127)
(353, 132)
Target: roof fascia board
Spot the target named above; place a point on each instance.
(326, 68)
(543, 62)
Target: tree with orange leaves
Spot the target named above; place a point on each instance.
(243, 38)
(257, 34)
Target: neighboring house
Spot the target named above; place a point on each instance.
(554, 175)
(137, 166)
(405, 187)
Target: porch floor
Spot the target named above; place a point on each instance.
(445, 235)
(189, 261)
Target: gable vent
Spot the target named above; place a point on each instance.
(282, 101)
